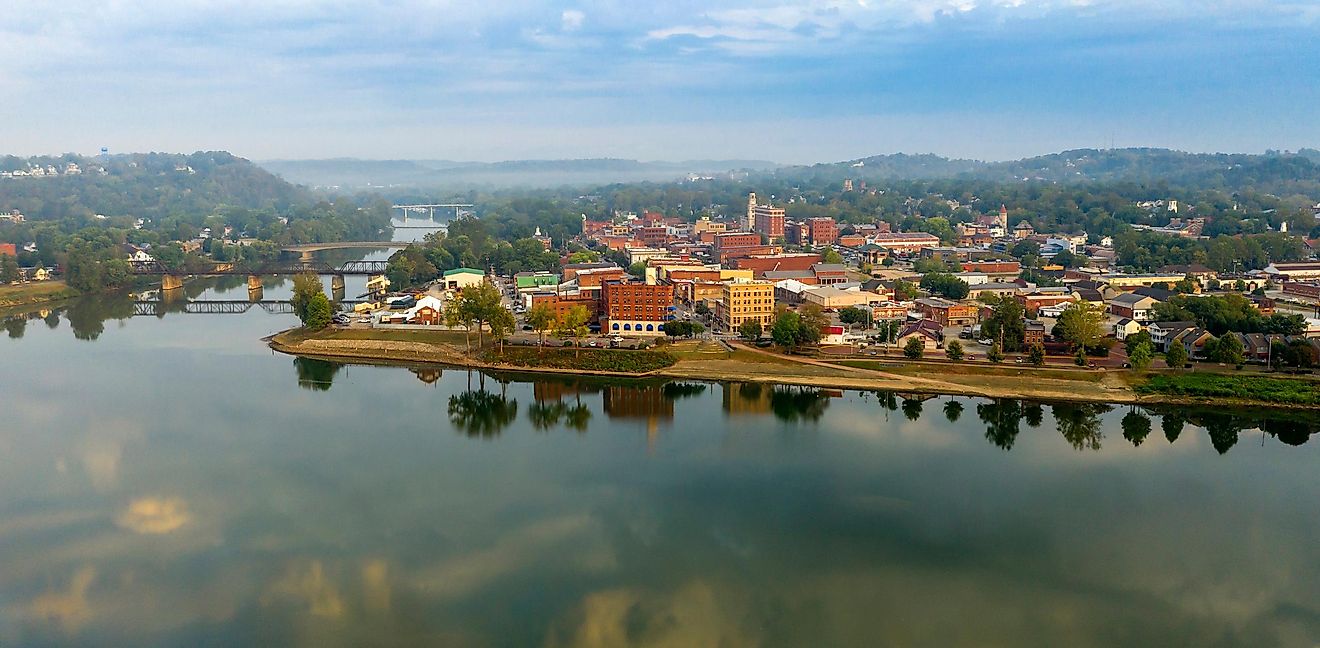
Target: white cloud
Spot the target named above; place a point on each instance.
(571, 20)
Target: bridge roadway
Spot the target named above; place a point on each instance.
(368, 268)
(155, 308)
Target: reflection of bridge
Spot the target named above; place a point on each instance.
(369, 268)
(222, 307)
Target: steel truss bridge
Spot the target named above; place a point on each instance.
(368, 268)
(152, 308)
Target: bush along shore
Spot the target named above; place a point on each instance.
(603, 360)
(1220, 387)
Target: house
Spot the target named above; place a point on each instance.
(1161, 333)
(460, 278)
(1033, 333)
(996, 288)
(1133, 306)
(832, 335)
(1127, 326)
(1193, 339)
(428, 311)
(929, 333)
(1197, 271)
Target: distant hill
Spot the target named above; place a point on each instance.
(348, 173)
(145, 185)
(1273, 172)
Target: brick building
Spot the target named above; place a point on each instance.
(636, 308)
(947, 313)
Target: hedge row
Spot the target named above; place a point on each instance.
(623, 361)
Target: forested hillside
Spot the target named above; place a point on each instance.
(147, 185)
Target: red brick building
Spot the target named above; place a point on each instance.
(823, 231)
(636, 308)
(736, 240)
(9, 249)
(561, 304)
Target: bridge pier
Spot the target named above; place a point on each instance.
(254, 282)
(171, 282)
(337, 283)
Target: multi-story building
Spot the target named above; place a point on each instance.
(736, 240)
(823, 230)
(741, 301)
(906, 242)
(947, 313)
(636, 308)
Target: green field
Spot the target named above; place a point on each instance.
(1283, 391)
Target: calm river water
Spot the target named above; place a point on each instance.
(170, 481)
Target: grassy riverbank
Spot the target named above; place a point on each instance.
(1296, 391)
(704, 360)
(33, 294)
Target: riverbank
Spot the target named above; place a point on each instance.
(34, 294)
(698, 360)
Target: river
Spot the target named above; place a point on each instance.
(171, 481)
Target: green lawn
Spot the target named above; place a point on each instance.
(1283, 391)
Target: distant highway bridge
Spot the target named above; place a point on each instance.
(306, 249)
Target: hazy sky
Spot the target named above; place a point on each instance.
(805, 81)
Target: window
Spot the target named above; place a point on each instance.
(650, 327)
(616, 326)
(627, 327)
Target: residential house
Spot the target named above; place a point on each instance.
(928, 332)
(1133, 306)
(1161, 333)
(1127, 326)
(1033, 333)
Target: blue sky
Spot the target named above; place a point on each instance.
(816, 80)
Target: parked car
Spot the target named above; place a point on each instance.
(986, 341)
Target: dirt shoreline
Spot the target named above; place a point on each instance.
(778, 369)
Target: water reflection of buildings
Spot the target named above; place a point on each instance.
(745, 398)
(649, 404)
(428, 375)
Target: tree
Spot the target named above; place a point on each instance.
(1036, 354)
(832, 256)
(502, 323)
(1079, 357)
(573, 325)
(702, 309)
(319, 312)
(1141, 355)
(913, 349)
(1081, 324)
(1131, 342)
(854, 315)
(480, 303)
(9, 272)
(945, 285)
(995, 354)
(456, 316)
(814, 321)
(954, 350)
(1226, 349)
(1006, 325)
(750, 330)
(305, 286)
(541, 317)
(786, 329)
(1176, 356)
(680, 328)
(888, 330)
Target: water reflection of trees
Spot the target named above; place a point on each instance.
(1136, 426)
(912, 408)
(316, 375)
(1001, 417)
(88, 315)
(15, 327)
(479, 413)
(798, 404)
(552, 414)
(953, 410)
(1080, 424)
